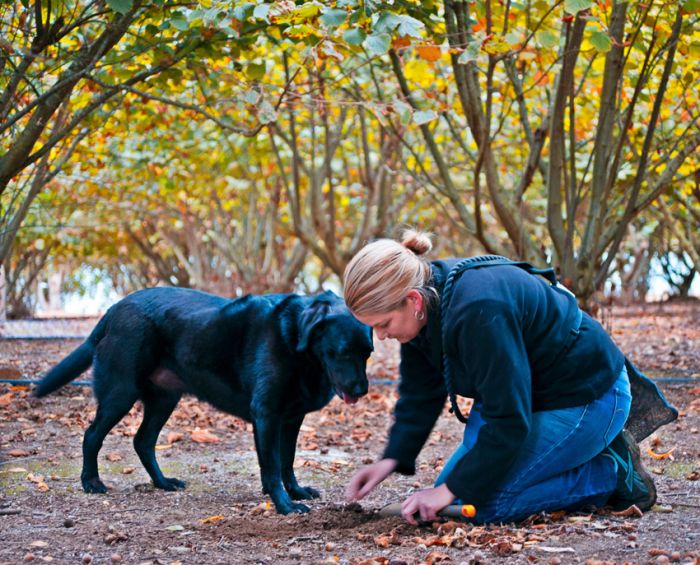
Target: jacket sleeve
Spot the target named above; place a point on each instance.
(421, 400)
(485, 344)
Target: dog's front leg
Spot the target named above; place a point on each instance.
(288, 446)
(267, 428)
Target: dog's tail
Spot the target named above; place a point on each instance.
(72, 366)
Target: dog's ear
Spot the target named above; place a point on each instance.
(309, 319)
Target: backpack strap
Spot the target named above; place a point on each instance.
(458, 269)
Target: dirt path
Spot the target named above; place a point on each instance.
(222, 517)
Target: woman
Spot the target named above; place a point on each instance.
(550, 399)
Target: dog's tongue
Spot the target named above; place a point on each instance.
(349, 399)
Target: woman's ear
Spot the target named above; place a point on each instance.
(415, 298)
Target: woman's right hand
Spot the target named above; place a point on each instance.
(362, 482)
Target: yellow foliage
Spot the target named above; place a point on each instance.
(420, 72)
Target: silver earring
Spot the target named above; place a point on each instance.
(419, 315)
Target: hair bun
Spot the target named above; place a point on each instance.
(418, 242)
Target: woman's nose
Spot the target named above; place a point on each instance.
(381, 334)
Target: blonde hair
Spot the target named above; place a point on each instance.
(380, 275)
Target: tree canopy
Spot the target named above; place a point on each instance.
(247, 146)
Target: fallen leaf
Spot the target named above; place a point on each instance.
(114, 457)
(39, 543)
(128, 470)
(437, 557)
(212, 519)
(631, 511)
(18, 453)
(204, 436)
(6, 399)
(657, 456)
(175, 436)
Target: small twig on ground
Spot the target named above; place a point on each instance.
(9, 511)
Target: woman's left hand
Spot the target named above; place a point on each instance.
(425, 504)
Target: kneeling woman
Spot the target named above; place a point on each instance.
(550, 389)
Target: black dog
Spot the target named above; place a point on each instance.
(267, 359)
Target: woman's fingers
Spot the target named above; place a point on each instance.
(362, 483)
(409, 509)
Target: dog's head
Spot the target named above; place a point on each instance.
(339, 342)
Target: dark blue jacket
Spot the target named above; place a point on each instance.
(507, 340)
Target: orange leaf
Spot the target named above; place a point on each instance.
(212, 519)
(6, 399)
(657, 456)
(429, 52)
(401, 42)
(204, 436)
(175, 436)
(437, 557)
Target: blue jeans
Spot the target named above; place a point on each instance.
(560, 466)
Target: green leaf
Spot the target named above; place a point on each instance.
(251, 97)
(691, 6)
(410, 26)
(547, 39)
(424, 116)
(403, 109)
(266, 112)
(378, 43)
(513, 38)
(244, 11)
(601, 41)
(471, 53)
(179, 22)
(354, 36)
(306, 11)
(385, 23)
(255, 71)
(261, 11)
(121, 6)
(331, 17)
(575, 6)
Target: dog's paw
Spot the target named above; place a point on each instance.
(303, 493)
(171, 484)
(94, 486)
(293, 508)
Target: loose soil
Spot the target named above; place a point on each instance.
(222, 516)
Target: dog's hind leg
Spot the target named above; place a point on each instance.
(288, 446)
(158, 404)
(110, 410)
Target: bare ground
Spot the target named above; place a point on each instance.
(222, 517)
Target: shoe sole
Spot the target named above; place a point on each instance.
(640, 470)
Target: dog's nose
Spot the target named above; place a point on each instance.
(359, 389)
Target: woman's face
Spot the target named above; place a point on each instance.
(400, 324)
